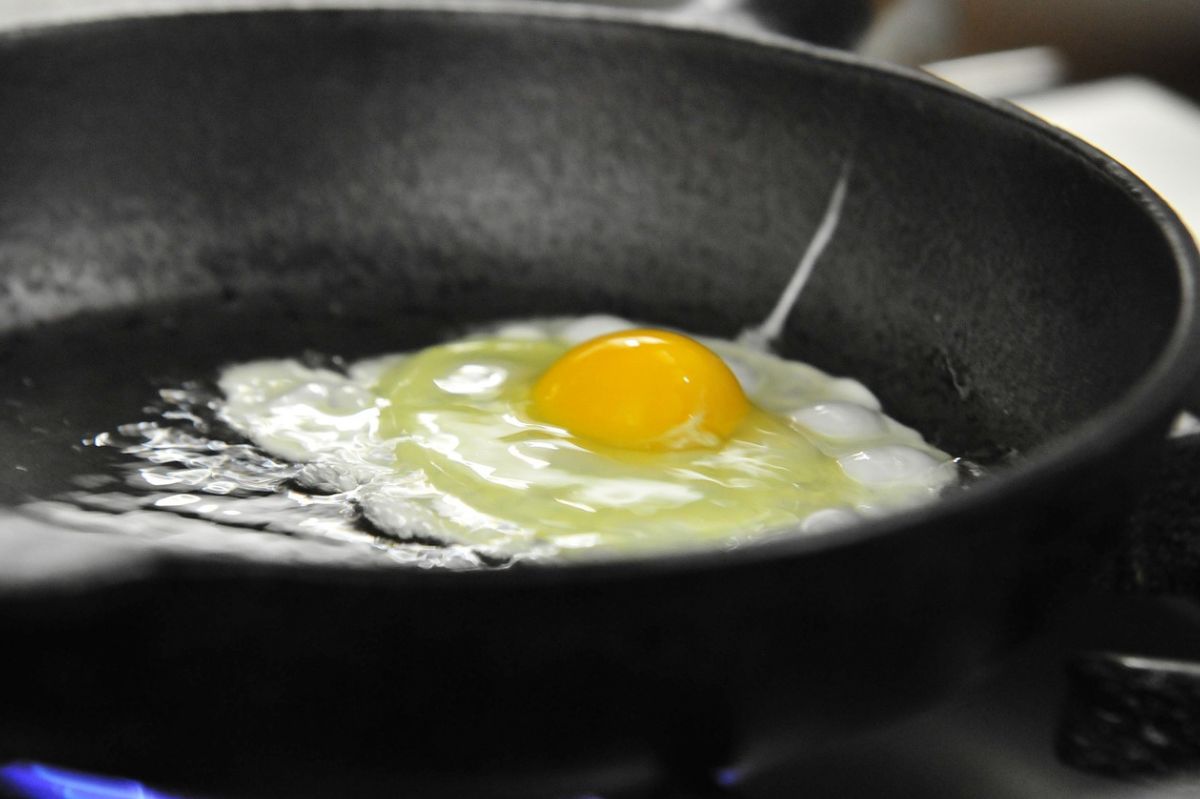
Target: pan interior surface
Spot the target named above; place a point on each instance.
(184, 193)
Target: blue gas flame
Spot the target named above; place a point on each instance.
(39, 781)
(727, 777)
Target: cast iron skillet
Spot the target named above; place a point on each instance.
(180, 193)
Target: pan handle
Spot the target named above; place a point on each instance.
(1187, 423)
(839, 24)
(1127, 716)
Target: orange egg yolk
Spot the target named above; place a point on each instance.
(642, 389)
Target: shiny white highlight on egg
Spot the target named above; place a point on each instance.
(890, 464)
(295, 412)
(478, 379)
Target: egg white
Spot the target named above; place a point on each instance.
(467, 469)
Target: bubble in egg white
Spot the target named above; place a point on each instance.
(855, 392)
(841, 420)
(890, 463)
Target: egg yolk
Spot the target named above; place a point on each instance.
(642, 389)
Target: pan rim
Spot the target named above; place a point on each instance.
(1144, 409)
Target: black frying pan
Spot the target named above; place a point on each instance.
(180, 193)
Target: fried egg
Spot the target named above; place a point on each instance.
(587, 437)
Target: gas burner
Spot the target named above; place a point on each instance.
(40, 781)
